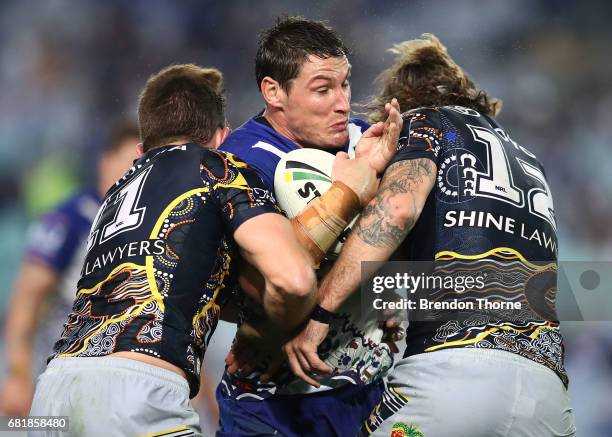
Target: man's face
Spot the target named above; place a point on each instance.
(114, 164)
(317, 104)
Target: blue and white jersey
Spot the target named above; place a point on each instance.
(58, 240)
(257, 143)
(353, 345)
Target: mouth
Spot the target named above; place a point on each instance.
(341, 125)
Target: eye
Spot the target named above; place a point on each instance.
(322, 90)
(346, 84)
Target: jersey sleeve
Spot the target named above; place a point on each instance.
(245, 197)
(356, 127)
(359, 123)
(53, 239)
(421, 136)
(262, 156)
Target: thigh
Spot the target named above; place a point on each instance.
(107, 401)
(543, 408)
(134, 405)
(443, 397)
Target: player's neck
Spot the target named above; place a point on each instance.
(276, 120)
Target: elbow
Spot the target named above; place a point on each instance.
(406, 215)
(296, 282)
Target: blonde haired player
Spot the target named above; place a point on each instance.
(482, 375)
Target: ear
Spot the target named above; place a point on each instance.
(272, 92)
(219, 136)
(139, 150)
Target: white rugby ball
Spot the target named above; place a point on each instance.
(301, 176)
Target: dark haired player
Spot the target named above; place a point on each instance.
(302, 72)
(158, 269)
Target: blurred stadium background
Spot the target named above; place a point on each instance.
(68, 69)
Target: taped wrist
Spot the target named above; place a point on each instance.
(322, 221)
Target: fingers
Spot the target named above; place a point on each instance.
(393, 126)
(316, 364)
(394, 119)
(339, 162)
(304, 364)
(304, 360)
(230, 362)
(241, 357)
(273, 369)
(393, 104)
(376, 130)
(393, 112)
(392, 323)
(392, 333)
(242, 360)
(249, 365)
(297, 370)
(392, 346)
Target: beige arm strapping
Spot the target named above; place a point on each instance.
(321, 222)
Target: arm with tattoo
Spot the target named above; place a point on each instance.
(381, 228)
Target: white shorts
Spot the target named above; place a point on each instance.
(472, 392)
(109, 396)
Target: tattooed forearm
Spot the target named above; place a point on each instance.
(388, 218)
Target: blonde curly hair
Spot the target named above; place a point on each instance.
(424, 74)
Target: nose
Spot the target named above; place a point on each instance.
(343, 101)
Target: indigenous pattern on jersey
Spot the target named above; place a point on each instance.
(490, 211)
(353, 346)
(158, 267)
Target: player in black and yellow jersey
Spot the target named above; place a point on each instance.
(161, 265)
(159, 268)
(461, 194)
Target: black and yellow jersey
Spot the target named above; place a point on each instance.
(159, 263)
(490, 211)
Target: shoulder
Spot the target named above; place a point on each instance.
(220, 161)
(421, 121)
(257, 137)
(257, 143)
(423, 113)
(223, 167)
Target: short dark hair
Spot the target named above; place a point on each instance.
(121, 130)
(181, 101)
(283, 49)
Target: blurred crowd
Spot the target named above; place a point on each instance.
(69, 69)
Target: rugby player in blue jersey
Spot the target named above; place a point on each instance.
(462, 193)
(303, 72)
(50, 271)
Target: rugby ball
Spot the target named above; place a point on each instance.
(301, 176)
